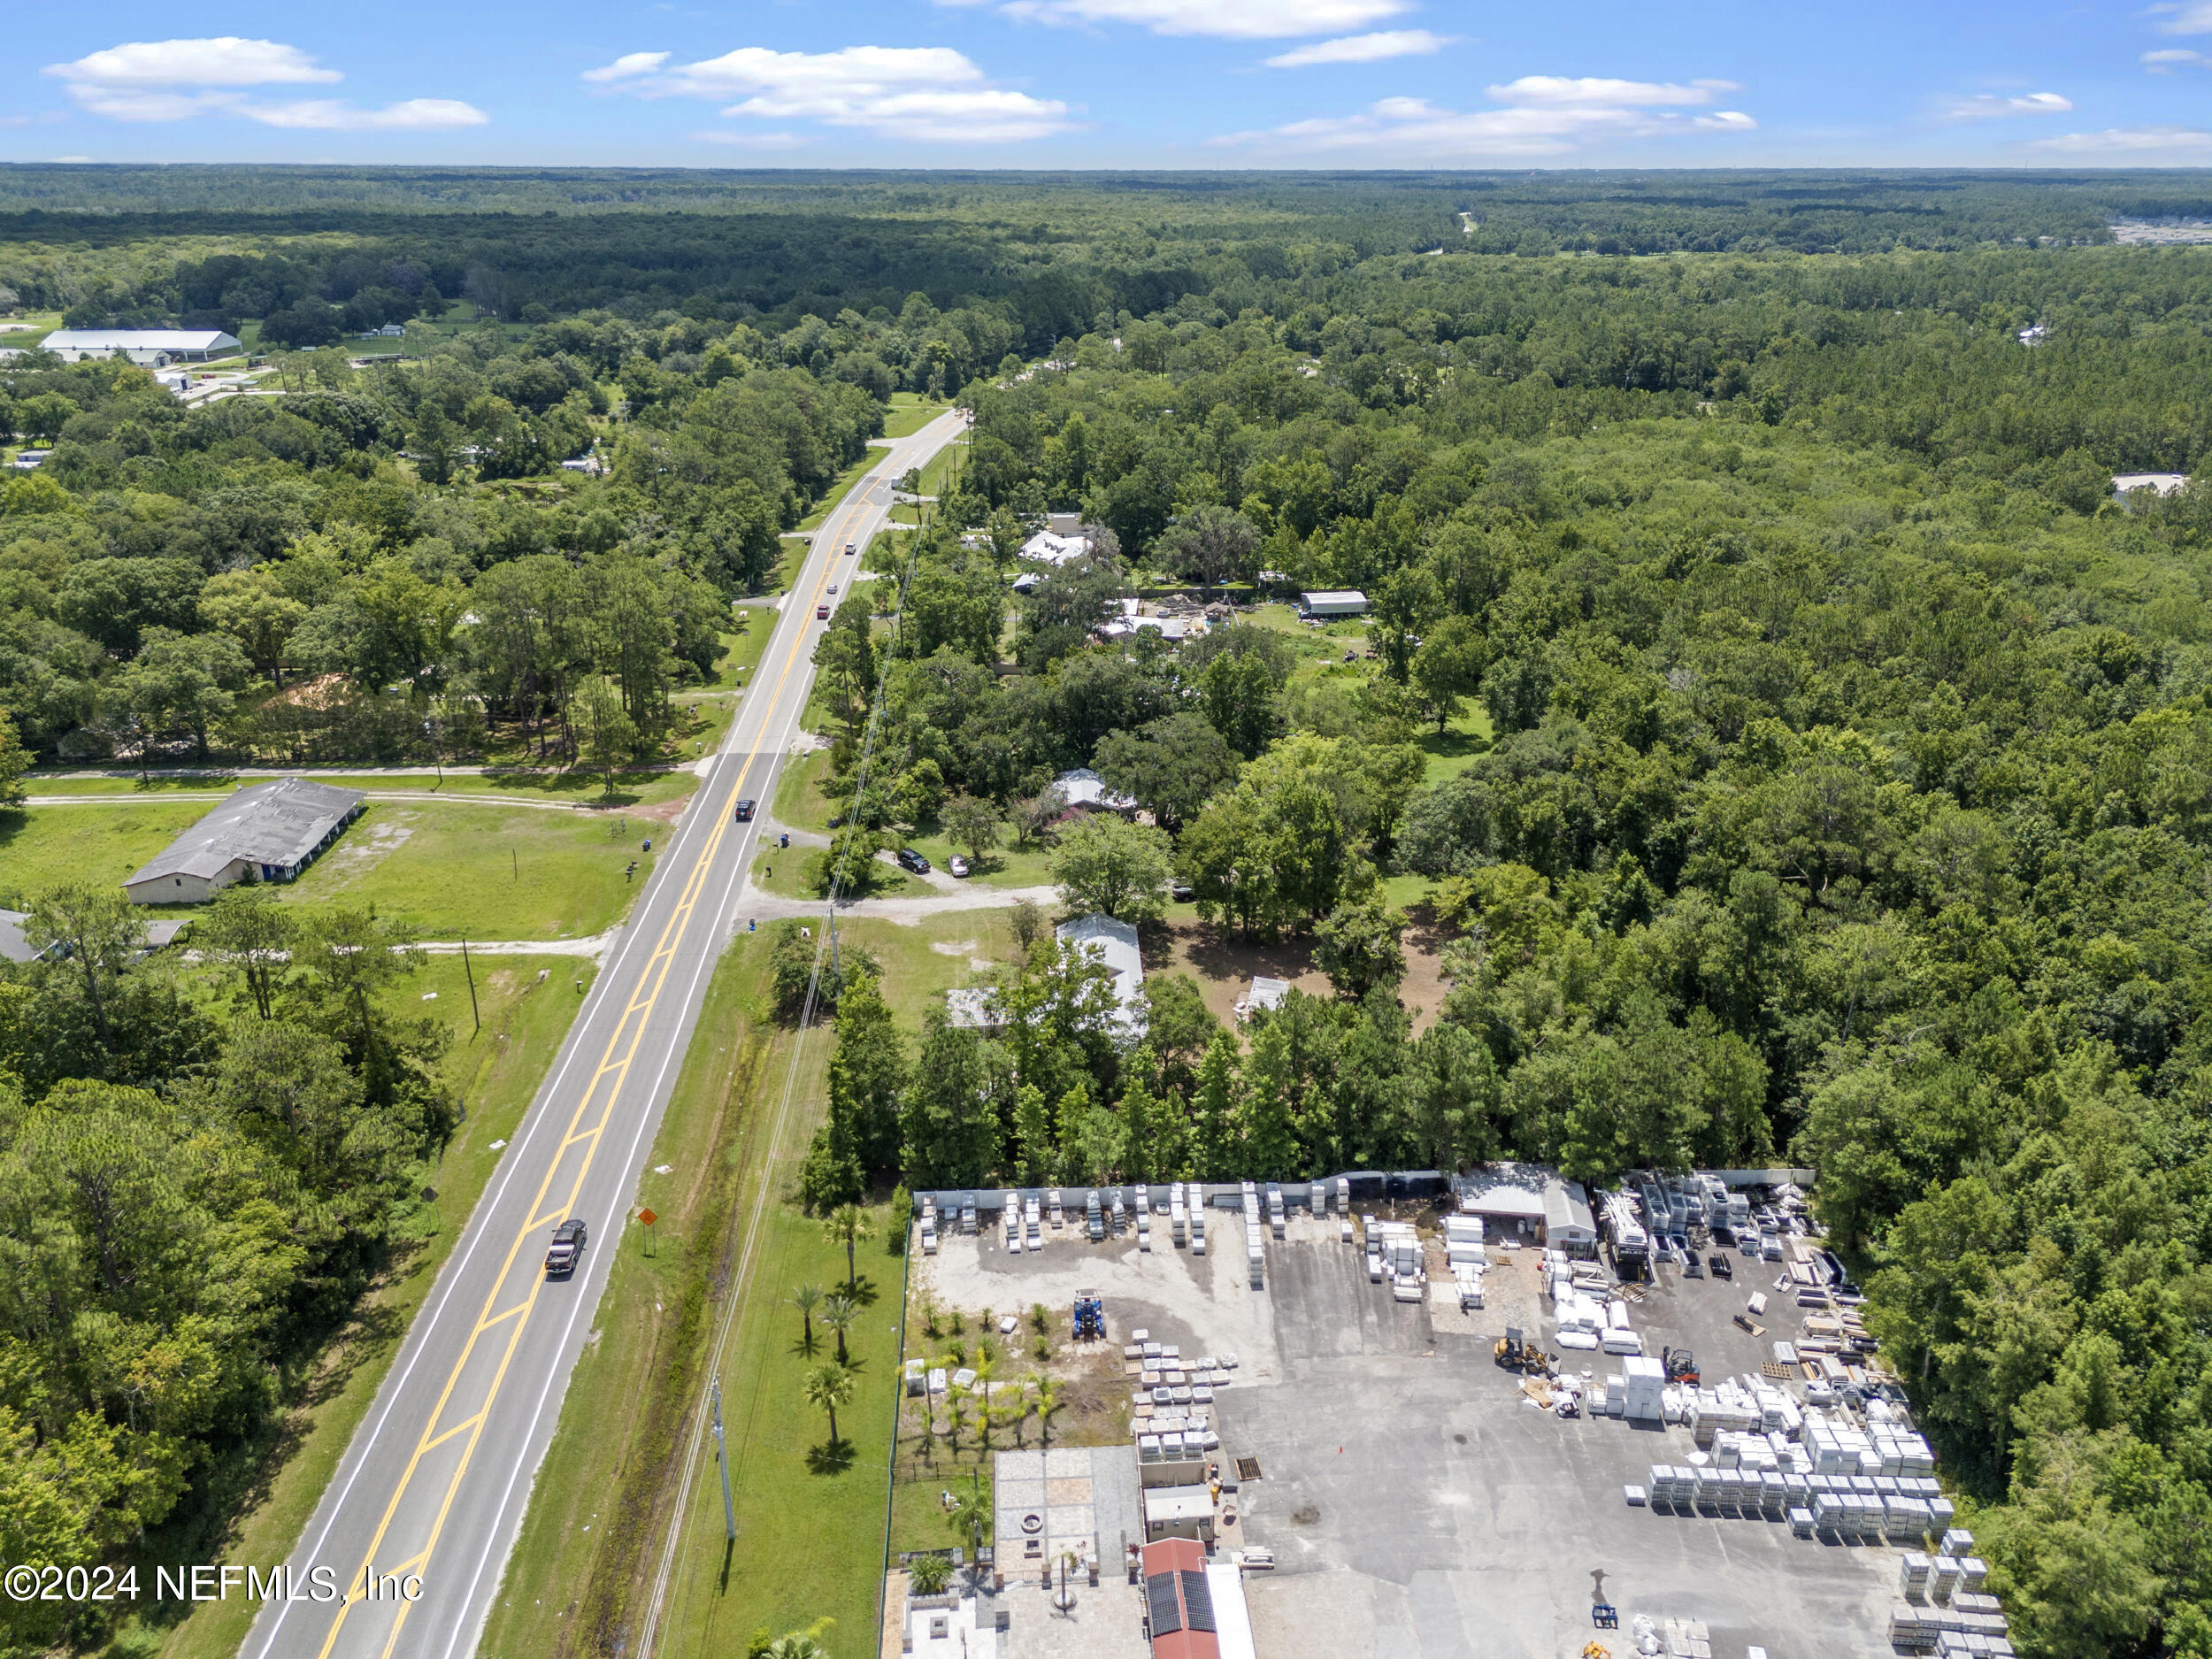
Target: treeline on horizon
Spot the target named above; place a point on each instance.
(1791, 747)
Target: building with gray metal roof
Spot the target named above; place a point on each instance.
(271, 830)
(149, 347)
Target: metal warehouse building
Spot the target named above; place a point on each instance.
(274, 830)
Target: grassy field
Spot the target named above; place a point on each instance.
(495, 1072)
(909, 412)
(40, 846)
(846, 480)
(799, 804)
(809, 1517)
(474, 870)
(484, 871)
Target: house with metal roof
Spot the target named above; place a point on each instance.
(271, 831)
(1334, 602)
(149, 347)
(1114, 944)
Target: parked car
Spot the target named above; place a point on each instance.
(1182, 892)
(911, 860)
(1722, 1268)
(821, 613)
(745, 810)
(957, 865)
(567, 1248)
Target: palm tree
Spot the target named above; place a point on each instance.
(838, 1314)
(806, 1299)
(825, 1388)
(983, 1387)
(971, 1518)
(849, 1225)
(955, 1397)
(1049, 1402)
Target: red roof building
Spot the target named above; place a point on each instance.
(1179, 1604)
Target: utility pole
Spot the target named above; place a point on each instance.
(474, 1014)
(722, 1456)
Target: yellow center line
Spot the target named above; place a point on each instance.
(641, 1003)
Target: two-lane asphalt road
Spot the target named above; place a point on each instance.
(434, 1487)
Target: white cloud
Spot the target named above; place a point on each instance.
(922, 94)
(416, 115)
(1595, 91)
(2128, 141)
(1232, 19)
(629, 66)
(2161, 62)
(2192, 18)
(225, 60)
(1544, 115)
(751, 141)
(1362, 48)
(1990, 105)
(171, 80)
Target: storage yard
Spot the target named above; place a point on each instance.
(1705, 1467)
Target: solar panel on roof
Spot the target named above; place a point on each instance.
(1167, 1613)
(1199, 1599)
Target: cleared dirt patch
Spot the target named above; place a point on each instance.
(1224, 963)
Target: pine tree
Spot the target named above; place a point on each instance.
(1032, 1136)
(1215, 1107)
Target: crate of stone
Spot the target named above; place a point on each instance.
(1908, 1632)
(1912, 1575)
(1802, 1520)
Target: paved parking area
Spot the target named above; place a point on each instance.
(1419, 1505)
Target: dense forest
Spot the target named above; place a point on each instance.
(1842, 777)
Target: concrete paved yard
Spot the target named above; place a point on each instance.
(1418, 1505)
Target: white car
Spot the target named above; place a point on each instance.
(1257, 1560)
(957, 865)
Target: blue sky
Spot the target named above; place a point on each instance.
(1113, 84)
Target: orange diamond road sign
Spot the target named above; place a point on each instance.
(647, 1217)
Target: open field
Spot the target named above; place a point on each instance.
(495, 1072)
(484, 872)
(909, 413)
(42, 847)
(639, 787)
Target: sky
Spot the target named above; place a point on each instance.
(1115, 83)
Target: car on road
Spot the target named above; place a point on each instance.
(849, 548)
(744, 814)
(833, 587)
(911, 860)
(821, 613)
(567, 1248)
(1720, 1265)
(957, 865)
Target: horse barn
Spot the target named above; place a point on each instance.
(268, 831)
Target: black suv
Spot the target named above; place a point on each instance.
(567, 1248)
(745, 811)
(911, 860)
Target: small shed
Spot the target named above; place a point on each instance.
(1335, 602)
(1179, 1512)
(1265, 994)
(1567, 1223)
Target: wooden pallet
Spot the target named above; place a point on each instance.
(1778, 1370)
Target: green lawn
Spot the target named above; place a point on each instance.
(482, 872)
(1452, 751)
(846, 480)
(41, 847)
(1004, 866)
(495, 1072)
(800, 804)
(909, 413)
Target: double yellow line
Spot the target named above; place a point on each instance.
(632, 1022)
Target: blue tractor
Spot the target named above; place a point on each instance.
(1090, 1317)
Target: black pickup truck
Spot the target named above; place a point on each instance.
(567, 1248)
